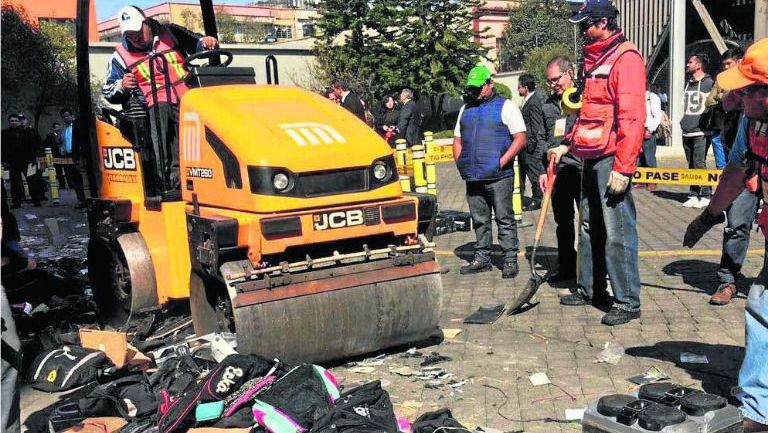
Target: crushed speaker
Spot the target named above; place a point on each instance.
(662, 407)
(449, 221)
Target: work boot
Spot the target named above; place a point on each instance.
(723, 294)
(575, 299)
(753, 426)
(476, 266)
(617, 316)
(510, 269)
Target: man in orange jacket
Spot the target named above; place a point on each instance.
(608, 135)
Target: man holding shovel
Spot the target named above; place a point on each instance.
(608, 136)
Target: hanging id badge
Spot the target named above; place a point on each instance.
(559, 127)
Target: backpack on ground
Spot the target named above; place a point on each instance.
(67, 367)
(129, 397)
(365, 409)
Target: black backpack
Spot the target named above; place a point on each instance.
(365, 409)
(228, 376)
(67, 367)
(129, 397)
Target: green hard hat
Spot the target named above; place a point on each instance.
(478, 76)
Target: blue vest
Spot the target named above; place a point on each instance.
(484, 138)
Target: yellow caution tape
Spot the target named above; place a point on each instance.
(661, 176)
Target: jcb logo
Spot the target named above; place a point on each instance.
(119, 158)
(336, 220)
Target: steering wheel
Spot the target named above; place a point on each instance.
(208, 55)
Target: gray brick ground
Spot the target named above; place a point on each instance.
(496, 360)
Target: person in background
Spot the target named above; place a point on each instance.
(330, 94)
(724, 123)
(348, 99)
(53, 141)
(386, 122)
(566, 193)
(608, 136)
(409, 119)
(747, 86)
(489, 133)
(34, 148)
(695, 124)
(652, 122)
(15, 157)
(69, 149)
(531, 158)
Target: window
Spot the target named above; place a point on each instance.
(283, 32)
(308, 29)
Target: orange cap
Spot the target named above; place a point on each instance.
(752, 69)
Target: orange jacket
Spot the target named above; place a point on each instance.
(612, 118)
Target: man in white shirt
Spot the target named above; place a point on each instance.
(652, 122)
(489, 133)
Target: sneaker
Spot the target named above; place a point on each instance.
(723, 294)
(574, 300)
(475, 266)
(703, 202)
(617, 316)
(510, 269)
(692, 202)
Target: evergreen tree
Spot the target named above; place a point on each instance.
(534, 24)
(381, 46)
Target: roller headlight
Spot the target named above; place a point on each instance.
(280, 181)
(380, 171)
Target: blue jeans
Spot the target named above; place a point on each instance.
(648, 155)
(608, 242)
(736, 236)
(717, 148)
(753, 376)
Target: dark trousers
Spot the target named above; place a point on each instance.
(17, 184)
(608, 242)
(740, 214)
(61, 176)
(531, 167)
(487, 198)
(163, 120)
(36, 189)
(566, 196)
(696, 154)
(648, 156)
(75, 180)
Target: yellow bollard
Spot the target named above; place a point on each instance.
(429, 143)
(405, 183)
(401, 148)
(517, 196)
(419, 169)
(52, 181)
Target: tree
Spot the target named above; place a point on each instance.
(231, 30)
(38, 63)
(190, 19)
(536, 62)
(534, 24)
(381, 46)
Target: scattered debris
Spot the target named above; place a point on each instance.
(654, 374)
(538, 379)
(611, 353)
(430, 373)
(30, 216)
(574, 414)
(693, 358)
(452, 332)
(363, 370)
(411, 353)
(434, 358)
(486, 315)
(403, 371)
(412, 404)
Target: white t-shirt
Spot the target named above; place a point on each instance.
(510, 116)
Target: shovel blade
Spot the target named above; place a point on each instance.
(525, 296)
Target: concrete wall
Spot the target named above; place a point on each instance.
(292, 59)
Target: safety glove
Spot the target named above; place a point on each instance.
(701, 225)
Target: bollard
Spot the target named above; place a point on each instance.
(429, 144)
(405, 183)
(401, 148)
(419, 169)
(53, 183)
(517, 196)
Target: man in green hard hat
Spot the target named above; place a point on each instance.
(489, 133)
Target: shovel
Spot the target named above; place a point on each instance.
(523, 299)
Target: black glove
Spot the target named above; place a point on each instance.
(701, 225)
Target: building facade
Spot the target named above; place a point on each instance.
(243, 23)
(59, 11)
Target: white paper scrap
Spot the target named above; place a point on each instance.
(538, 379)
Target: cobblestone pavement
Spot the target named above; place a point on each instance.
(496, 360)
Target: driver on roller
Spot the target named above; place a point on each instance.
(131, 73)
